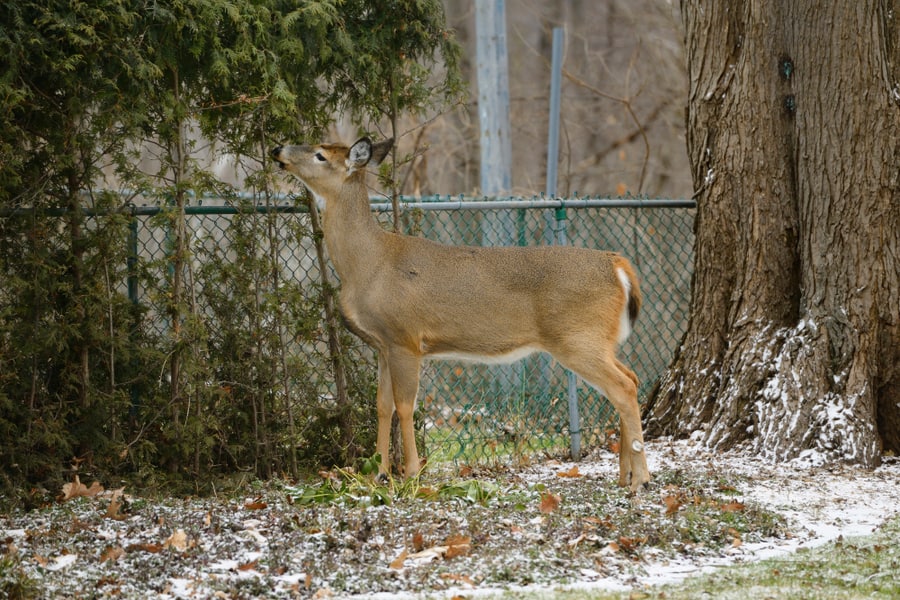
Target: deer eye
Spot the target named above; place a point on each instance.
(320, 157)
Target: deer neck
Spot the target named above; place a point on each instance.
(353, 237)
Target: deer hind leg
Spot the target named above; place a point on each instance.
(404, 368)
(619, 384)
(385, 407)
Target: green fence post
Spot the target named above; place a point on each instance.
(131, 265)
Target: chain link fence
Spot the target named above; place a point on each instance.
(467, 412)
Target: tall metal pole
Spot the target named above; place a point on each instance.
(493, 96)
(498, 228)
(561, 234)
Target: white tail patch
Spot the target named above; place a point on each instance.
(624, 321)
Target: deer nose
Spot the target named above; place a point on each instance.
(276, 153)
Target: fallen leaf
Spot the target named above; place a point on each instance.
(112, 511)
(614, 447)
(426, 493)
(573, 472)
(329, 475)
(151, 548)
(549, 502)
(76, 489)
(418, 542)
(457, 545)
(256, 505)
(112, 554)
(732, 507)
(465, 471)
(397, 563)
(673, 503)
(177, 541)
(630, 543)
(458, 579)
(248, 566)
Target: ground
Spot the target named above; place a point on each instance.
(453, 532)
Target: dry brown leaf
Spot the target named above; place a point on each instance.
(418, 542)
(549, 502)
(151, 548)
(630, 543)
(458, 579)
(76, 489)
(426, 493)
(573, 472)
(112, 511)
(673, 503)
(732, 507)
(112, 554)
(458, 545)
(397, 563)
(256, 505)
(248, 566)
(41, 560)
(465, 471)
(177, 541)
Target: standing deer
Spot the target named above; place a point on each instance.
(411, 298)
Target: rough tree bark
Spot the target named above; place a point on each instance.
(793, 134)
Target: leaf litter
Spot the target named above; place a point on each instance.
(456, 531)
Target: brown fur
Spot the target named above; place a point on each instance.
(411, 298)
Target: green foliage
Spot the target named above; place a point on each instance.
(117, 93)
(15, 584)
(350, 487)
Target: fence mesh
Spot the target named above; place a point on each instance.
(467, 412)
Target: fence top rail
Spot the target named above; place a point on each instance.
(226, 206)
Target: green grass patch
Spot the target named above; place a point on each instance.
(866, 567)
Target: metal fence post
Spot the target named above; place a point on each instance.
(560, 214)
(131, 267)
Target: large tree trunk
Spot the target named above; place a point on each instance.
(793, 132)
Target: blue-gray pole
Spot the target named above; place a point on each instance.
(561, 236)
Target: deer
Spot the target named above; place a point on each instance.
(413, 299)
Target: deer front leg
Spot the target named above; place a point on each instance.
(404, 368)
(385, 407)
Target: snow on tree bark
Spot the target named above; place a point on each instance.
(793, 132)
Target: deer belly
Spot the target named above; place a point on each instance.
(491, 358)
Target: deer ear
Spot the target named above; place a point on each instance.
(380, 150)
(360, 153)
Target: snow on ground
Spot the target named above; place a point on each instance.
(200, 548)
(821, 504)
